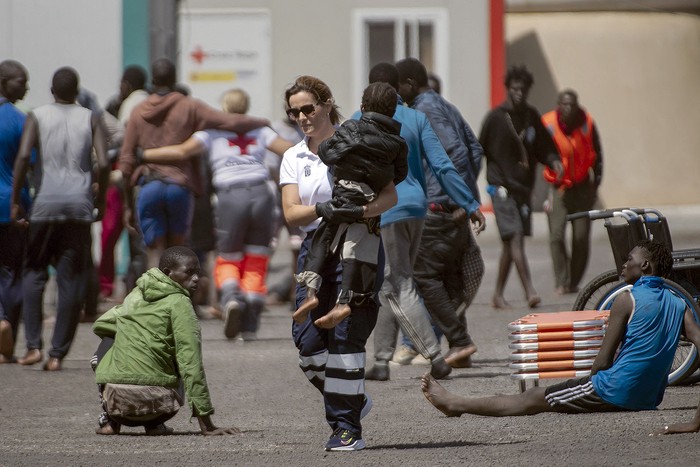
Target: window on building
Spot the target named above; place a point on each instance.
(390, 35)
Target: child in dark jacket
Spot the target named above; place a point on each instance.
(364, 156)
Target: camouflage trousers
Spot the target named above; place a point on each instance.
(136, 405)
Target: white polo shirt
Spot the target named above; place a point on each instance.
(302, 167)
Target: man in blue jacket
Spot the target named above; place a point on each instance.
(449, 267)
(401, 231)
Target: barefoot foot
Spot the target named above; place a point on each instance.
(499, 303)
(334, 317)
(460, 357)
(111, 428)
(53, 364)
(688, 427)
(6, 359)
(303, 311)
(31, 357)
(533, 301)
(438, 396)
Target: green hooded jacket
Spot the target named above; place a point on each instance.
(157, 339)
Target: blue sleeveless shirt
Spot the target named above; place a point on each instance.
(637, 379)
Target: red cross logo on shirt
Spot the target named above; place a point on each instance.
(242, 142)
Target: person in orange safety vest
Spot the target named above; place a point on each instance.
(576, 138)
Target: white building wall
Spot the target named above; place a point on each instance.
(45, 35)
(307, 36)
(638, 74)
(316, 37)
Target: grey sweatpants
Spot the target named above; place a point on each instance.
(402, 306)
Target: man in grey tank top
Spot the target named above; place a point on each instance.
(65, 204)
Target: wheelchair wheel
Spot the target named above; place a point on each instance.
(602, 291)
(592, 296)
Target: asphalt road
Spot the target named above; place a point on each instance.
(49, 418)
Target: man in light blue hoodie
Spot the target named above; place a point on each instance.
(402, 226)
(449, 267)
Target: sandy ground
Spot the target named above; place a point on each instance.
(49, 418)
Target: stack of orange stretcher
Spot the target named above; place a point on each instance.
(555, 345)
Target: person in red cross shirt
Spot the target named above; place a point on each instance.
(244, 210)
(165, 197)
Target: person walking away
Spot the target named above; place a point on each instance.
(575, 135)
(165, 197)
(114, 132)
(401, 227)
(131, 93)
(449, 266)
(243, 211)
(13, 235)
(64, 135)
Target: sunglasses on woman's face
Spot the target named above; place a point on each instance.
(307, 109)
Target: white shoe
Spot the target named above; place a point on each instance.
(404, 355)
(420, 360)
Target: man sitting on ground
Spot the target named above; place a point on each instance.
(646, 323)
(156, 343)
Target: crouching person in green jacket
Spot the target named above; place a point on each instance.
(154, 342)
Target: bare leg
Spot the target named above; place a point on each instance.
(518, 253)
(176, 240)
(155, 251)
(529, 402)
(503, 271)
(7, 343)
(310, 303)
(688, 427)
(331, 319)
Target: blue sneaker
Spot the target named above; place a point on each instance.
(366, 406)
(344, 440)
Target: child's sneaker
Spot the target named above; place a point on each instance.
(344, 440)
